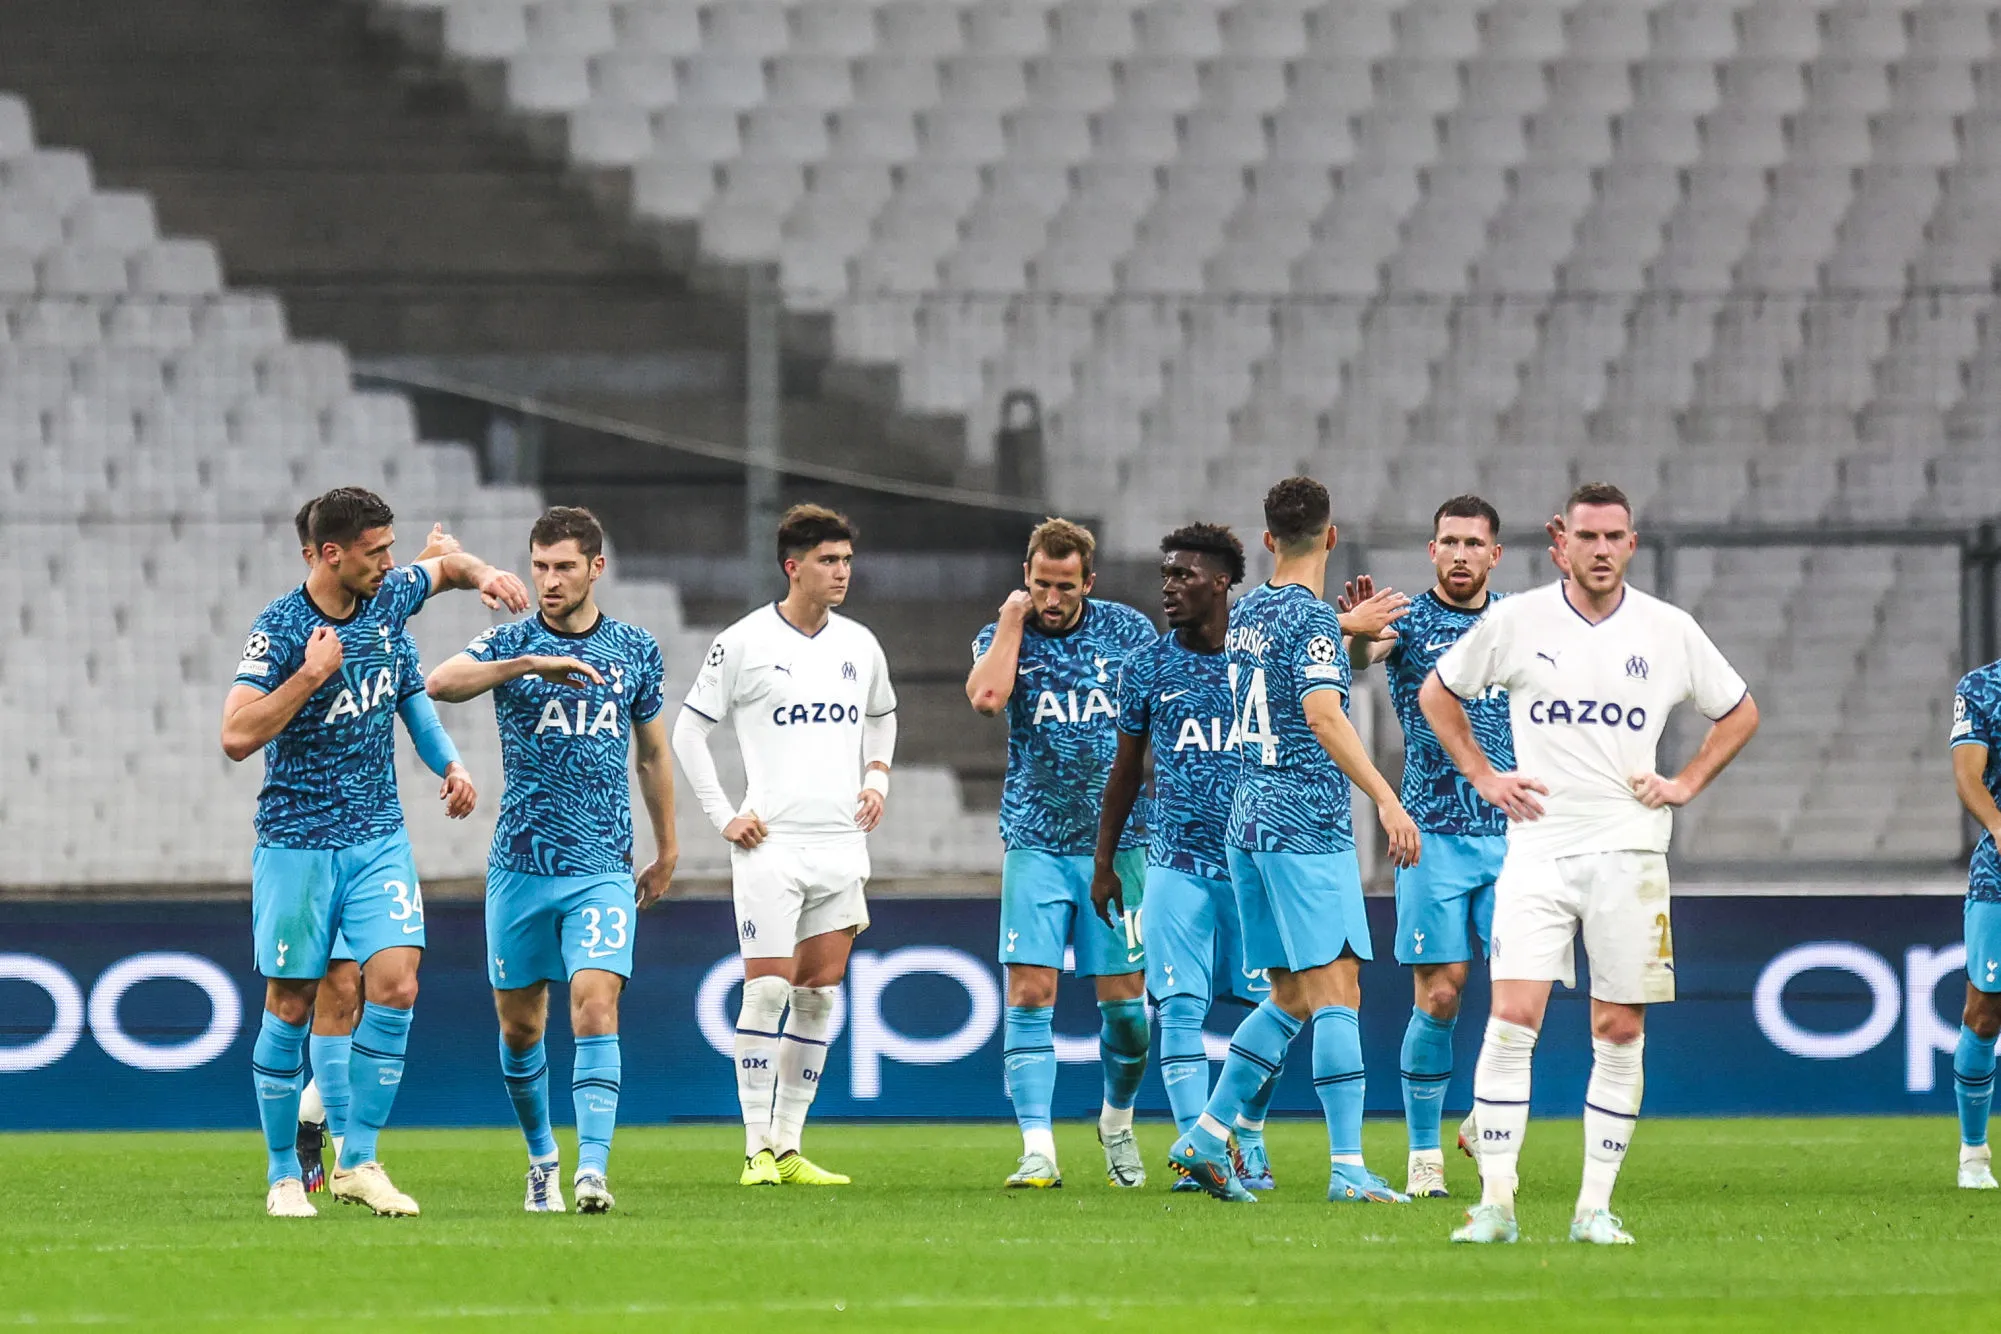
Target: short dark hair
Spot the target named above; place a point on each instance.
(805, 527)
(1469, 507)
(1212, 540)
(302, 522)
(1060, 539)
(1598, 493)
(343, 514)
(569, 523)
(1296, 510)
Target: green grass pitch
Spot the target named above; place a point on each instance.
(1808, 1225)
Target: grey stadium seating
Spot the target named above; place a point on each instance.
(157, 431)
(1735, 254)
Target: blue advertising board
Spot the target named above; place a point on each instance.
(141, 1015)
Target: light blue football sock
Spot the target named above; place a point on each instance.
(1257, 1053)
(1184, 1061)
(379, 1043)
(526, 1074)
(1028, 1055)
(1122, 1047)
(1973, 1085)
(278, 1069)
(594, 1087)
(1338, 1079)
(330, 1053)
(1427, 1069)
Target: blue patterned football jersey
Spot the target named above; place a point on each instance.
(1180, 701)
(1976, 721)
(1062, 730)
(567, 810)
(330, 776)
(1435, 794)
(1284, 644)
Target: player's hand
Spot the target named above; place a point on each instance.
(1655, 792)
(1374, 614)
(1405, 842)
(1355, 592)
(323, 653)
(564, 671)
(652, 883)
(502, 588)
(439, 543)
(458, 793)
(868, 810)
(746, 831)
(1555, 530)
(1108, 896)
(1018, 607)
(1514, 793)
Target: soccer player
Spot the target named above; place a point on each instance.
(337, 1004)
(570, 686)
(1047, 662)
(1447, 899)
(1174, 701)
(815, 715)
(316, 691)
(1592, 668)
(1976, 773)
(1291, 845)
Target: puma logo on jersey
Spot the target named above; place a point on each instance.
(360, 699)
(557, 716)
(1050, 707)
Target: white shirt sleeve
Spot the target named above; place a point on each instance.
(881, 694)
(714, 691)
(1481, 657)
(1713, 684)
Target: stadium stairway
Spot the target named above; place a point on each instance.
(157, 431)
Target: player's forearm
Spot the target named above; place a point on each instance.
(1969, 768)
(691, 748)
(460, 569)
(991, 684)
(1454, 730)
(434, 744)
(1726, 737)
(250, 726)
(1343, 744)
(459, 679)
(1364, 652)
(1121, 795)
(656, 793)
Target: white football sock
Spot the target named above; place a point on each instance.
(1501, 1107)
(1040, 1140)
(757, 1030)
(312, 1110)
(1111, 1120)
(802, 1054)
(1611, 1110)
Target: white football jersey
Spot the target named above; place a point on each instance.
(797, 702)
(1588, 703)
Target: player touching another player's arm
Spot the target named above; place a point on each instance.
(808, 692)
(570, 685)
(1291, 849)
(1592, 668)
(1976, 776)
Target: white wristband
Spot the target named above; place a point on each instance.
(876, 780)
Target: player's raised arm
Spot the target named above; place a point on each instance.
(462, 569)
(253, 716)
(1367, 613)
(1343, 744)
(991, 683)
(656, 792)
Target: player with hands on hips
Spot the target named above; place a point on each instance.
(808, 693)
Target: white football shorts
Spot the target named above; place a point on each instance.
(789, 892)
(1619, 900)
